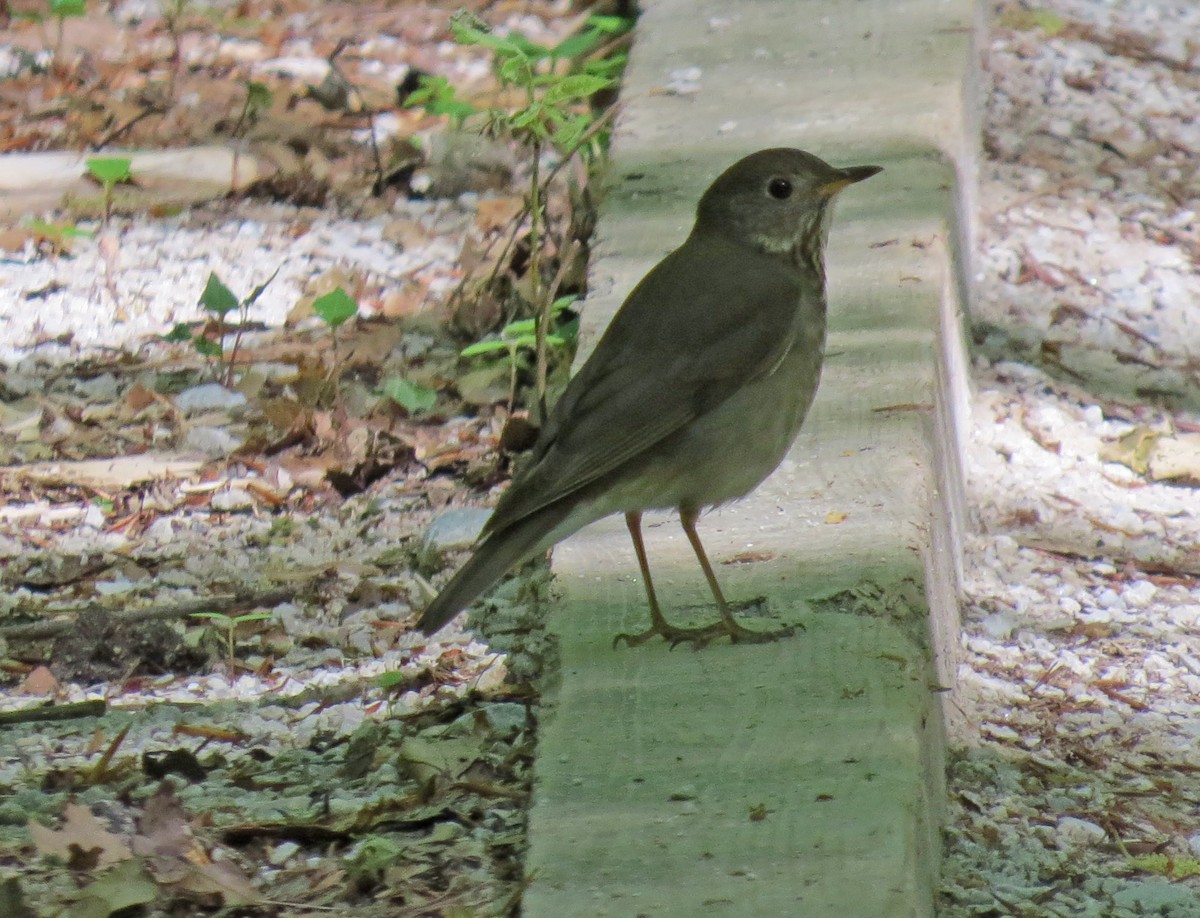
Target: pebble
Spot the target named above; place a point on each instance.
(208, 397)
(215, 442)
(455, 529)
(1071, 831)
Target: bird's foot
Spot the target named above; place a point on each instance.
(739, 634)
(697, 637)
(700, 637)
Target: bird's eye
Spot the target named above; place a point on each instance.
(779, 188)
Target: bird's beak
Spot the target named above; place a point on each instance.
(849, 176)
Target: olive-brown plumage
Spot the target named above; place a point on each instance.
(695, 391)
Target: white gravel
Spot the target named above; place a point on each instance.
(1076, 793)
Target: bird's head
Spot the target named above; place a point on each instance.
(777, 201)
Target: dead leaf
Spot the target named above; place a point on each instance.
(496, 213)
(83, 841)
(40, 682)
(1177, 459)
(120, 889)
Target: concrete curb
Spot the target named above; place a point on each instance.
(802, 778)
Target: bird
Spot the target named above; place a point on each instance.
(693, 394)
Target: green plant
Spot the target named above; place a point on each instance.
(411, 396)
(258, 99)
(334, 309)
(58, 234)
(218, 300)
(521, 335)
(230, 623)
(109, 171)
(62, 10)
(557, 85)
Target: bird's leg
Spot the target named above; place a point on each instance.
(659, 626)
(728, 624)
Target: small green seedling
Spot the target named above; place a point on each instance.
(62, 10)
(58, 234)
(258, 99)
(520, 336)
(218, 300)
(335, 308)
(411, 396)
(230, 625)
(109, 171)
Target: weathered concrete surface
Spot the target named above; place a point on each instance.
(800, 778)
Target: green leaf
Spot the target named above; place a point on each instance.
(563, 302)
(390, 679)
(412, 397)
(517, 43)
(578, 44)
(484, 347)
(517, 70)
(571, 132)
(179, 333)
(568, 331)
(252, 617)
(526, 117)
(608, 67)
(438, 97)
(218, 618)
(335, 307)
(258, 96)
(217, 298)
(59, 230)
(613, 25)
(519, 327)
(206, 347)
(109, 170)
(578, 86)
(65, 9)
(258, 291)
(428, 88)
(455, 108)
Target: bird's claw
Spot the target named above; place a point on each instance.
(697, 637)
(701, 637)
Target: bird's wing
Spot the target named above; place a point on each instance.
(688, 337)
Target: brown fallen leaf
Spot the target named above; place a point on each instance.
(83, 841)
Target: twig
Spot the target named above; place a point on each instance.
(35, 631)
(44, 713)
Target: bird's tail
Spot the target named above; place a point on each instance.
(499, 552)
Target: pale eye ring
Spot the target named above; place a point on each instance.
(779, 188)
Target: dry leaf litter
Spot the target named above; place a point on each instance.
(335, 758)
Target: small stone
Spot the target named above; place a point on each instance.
(283, 853)
(211, 441)
(1157, 896)
(1072, 832)
(102, 388)
(231, 499)
(455, 529)
(208, 397)
(1139, 593)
